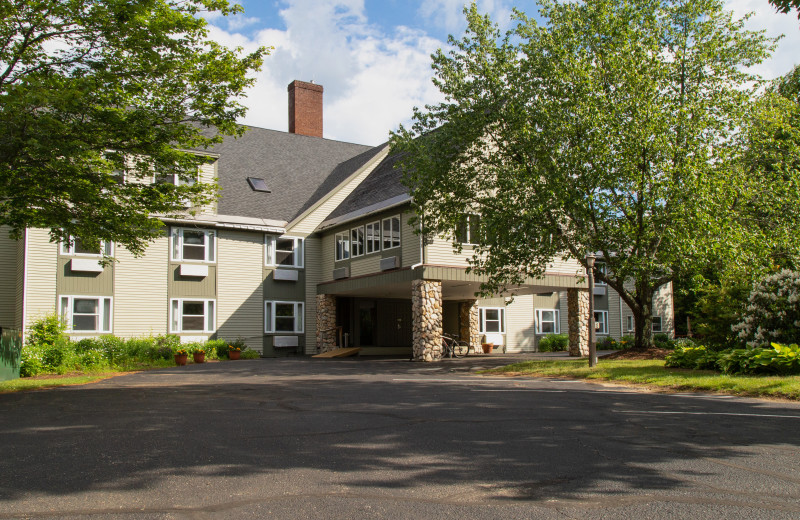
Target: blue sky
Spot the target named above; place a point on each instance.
(373, 56)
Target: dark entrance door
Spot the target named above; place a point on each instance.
(367, 316)
(394, 323)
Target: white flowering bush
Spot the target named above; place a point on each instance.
(772, 313)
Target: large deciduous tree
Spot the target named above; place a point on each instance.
(94, 91)
(611, 128)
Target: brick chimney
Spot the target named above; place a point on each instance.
(305, 108)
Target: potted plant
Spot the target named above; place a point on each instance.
(199, 355)
(234, 353)
(181, 356)
(487, 347)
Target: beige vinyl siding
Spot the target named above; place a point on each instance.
(140, 291)
(40, 274)
(240, 301)
(570, 267)
(441, 252)
(313, 277)
(520, 326)
(208, 175)
(8, 280)
(310, 220)
(662, 306)
(409, 241)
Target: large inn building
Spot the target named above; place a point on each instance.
(309, 246)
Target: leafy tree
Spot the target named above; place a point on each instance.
(784, 6)
(609, 129)
(94, 89)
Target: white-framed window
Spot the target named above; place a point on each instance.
(599, 267)
(629, 324)
(357, 241)
(601, 322)
(74, 247)
(284, 251)
(192, 315)
(492, 319)
(283, 317)
(193, 245)
(547, 321)
(468, 228)
(86, 313)
(657, 324)
(343, 245)
(391, 232)
(373, 237)
(174, 178)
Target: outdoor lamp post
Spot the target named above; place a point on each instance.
(590, 271)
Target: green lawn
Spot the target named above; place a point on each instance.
(35, 383)
(653, 374)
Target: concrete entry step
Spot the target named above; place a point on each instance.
(339, 352)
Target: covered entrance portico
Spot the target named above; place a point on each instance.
(405, 311)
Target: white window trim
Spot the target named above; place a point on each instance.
(653, 325)
(68, 248)
(208, 320)
(630, 324)
(556, 321)
(399, 231)
(269, 324)
(600, 266)
(177, 235)
(376, 230)
(345, 250)
(605, 323)
(482, 319)
(363, 231)
(101, 318)
(468, 229)
(270, 251)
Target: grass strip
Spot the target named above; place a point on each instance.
(37, 383)
(653, 374)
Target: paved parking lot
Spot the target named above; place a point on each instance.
(350, 438)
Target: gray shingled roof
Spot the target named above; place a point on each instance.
(383, 183)
(295, 167)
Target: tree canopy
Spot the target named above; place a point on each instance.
(96, 91)
(610, 128)
(784, 6)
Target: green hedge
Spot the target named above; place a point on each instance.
(554, 343)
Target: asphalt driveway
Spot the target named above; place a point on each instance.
(348, 438)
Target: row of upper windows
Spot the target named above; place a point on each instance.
(492, 319)
(92, 314)
(374, 237)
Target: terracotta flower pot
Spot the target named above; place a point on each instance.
(181, 359)
(234, 354)
(199, 357)
(487, 347)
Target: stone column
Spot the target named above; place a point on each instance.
(426, 308)
(578, 319)
(469, 325)
(326, 320)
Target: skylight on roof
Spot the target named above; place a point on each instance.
(258, 184)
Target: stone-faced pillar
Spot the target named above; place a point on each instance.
(469, 323)
(578, 320)
(326, 322)
(426, 308)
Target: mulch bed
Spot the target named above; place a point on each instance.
(630, 353)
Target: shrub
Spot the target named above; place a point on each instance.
(250, 354)
(142, 349)
(627, 341)
(554, 343)
(692, 357)
(93, 360)
(30, 361)
(194, 346)
(113, 348)
(166, 345)
(780, 359)
(47, 330)
(772, 313)
(662, 340)
(214, 347)
(608, 343)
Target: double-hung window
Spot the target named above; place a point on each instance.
(629, 324)
(74, 246)
(547, 321)
(656, 323)
(599, 267)
(284, 251)
(467, 229)
(86, 313)
(357, 241)
(343, 245)
(373, 237)
(283, 317)
(601, 322)
(192, 315)
(492, 319)
(193, 245)
(391, 232)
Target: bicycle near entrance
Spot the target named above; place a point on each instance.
(454, 347)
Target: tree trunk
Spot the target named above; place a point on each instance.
(643, 317)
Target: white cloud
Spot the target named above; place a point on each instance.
(786, 56)
(372, 80)
(449, 14)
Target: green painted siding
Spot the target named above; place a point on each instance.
(8, 279)
(282, 289)
(270, 351)
(78, 283)
(191, 286)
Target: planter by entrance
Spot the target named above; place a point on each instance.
(234, 354)
(181, 359)
(487, 347)
(199, 357)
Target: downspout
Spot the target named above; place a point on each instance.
(24, 284)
